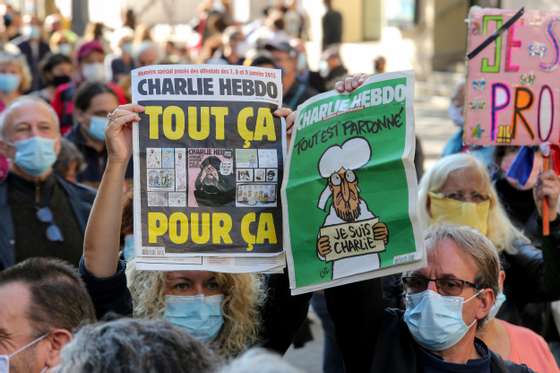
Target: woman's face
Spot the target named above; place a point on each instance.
(191, 283)
(9, 68)
(62, 69)
(100, 106)
(465, 185)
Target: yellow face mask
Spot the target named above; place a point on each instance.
(447, 210)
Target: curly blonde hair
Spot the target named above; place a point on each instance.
(243, 295)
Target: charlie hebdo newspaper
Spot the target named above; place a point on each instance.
(208, 165)
(350, 188)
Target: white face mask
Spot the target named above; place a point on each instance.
(94, 72)
(242, 48)
(5, 359)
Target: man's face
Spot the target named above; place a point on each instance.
(210, 176)
(447, 260)
(148, 57)
(16, 331)
(30, 120)
(288, 66)
(345, 194)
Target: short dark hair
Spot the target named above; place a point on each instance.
(129, 345)
(59, 298)
(68, 153)
(88, 91)
(50, 61)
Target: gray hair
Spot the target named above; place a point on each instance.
(472, 242)
(21, 101)
(9, 56)
(68, 153)
(128, 345)
(259, 360)
(501, 231)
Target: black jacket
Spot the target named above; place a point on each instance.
(396, 350)
(80, 198)
(34, 60)
(531, 308)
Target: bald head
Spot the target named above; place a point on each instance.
(26, 117)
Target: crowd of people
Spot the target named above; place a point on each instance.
(72, 299)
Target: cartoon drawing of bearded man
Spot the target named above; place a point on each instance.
(338, 166)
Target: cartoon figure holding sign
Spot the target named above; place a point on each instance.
(351, 236)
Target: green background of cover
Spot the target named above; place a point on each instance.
(382, 183)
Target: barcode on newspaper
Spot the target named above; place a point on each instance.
(153, 251)
(403, 258)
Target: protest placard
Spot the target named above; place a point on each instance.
(350, 191)
(511, 89)
(208, 158)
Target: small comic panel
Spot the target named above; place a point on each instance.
(244, 174)
(161, 180)
(260, 175)
(268, 158)
(157, 199)
(246, 158)
(256, 195)
(177, 199)
(153, 157)
(211, 180)
(180, 169)
(168, 158)
(272, 175)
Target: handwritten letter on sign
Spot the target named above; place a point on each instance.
(512, 92)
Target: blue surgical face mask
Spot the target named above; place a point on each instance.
(128, 248)
(97, 127)
(127, 48)
(456, 114)
(201, 316)
(35, 155)
(9, 82)
(436, 321)
(500, 299)
(65, 48)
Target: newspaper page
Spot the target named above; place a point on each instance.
(209, 159)
(350, 187)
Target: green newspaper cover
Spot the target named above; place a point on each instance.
(350, 191)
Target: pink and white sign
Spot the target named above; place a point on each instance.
(513, 85)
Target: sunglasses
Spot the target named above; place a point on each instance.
(445, 286)
(45, 215)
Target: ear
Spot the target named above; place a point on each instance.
(487, 300)
(57, 339)
(501, 279)
(7, 150)
(81, 117)
(58, 145)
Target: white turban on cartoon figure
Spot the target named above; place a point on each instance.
(338, 165)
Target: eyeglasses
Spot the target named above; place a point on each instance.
(466, 197)
(445, 286)
(349, 175)
(45, 215)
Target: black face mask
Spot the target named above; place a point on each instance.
(519, 204)
(59, 80)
